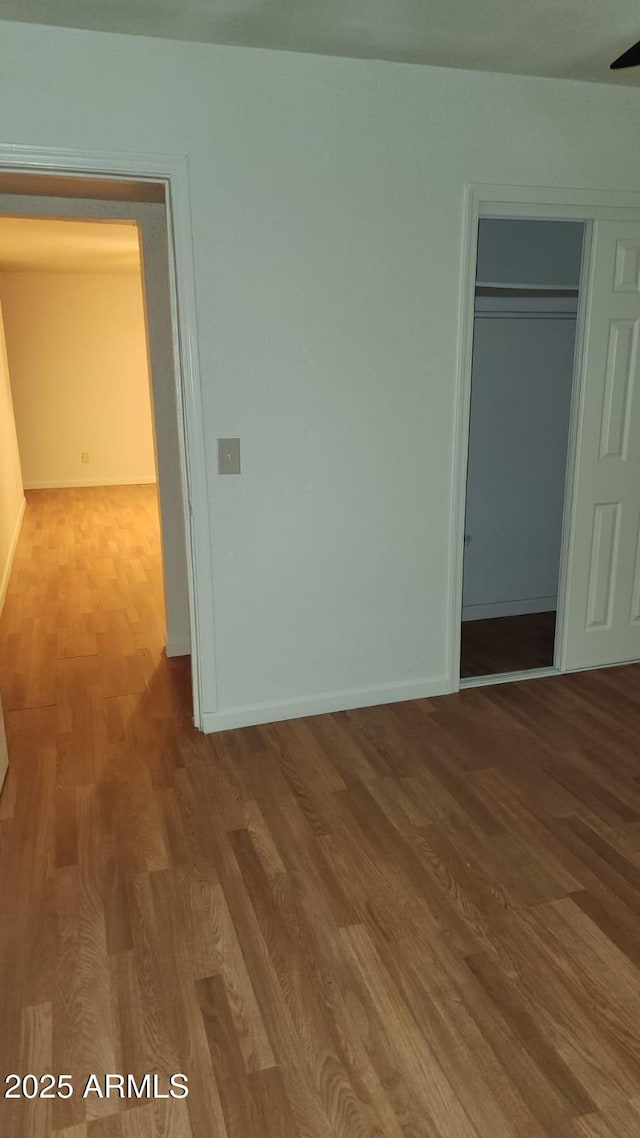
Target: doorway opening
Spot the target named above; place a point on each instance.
(74, 331)
(528, 274)
(135, 468)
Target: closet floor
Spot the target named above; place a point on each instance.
(507, 644)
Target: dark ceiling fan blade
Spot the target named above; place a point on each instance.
(630, 58)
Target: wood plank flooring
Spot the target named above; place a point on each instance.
(507, 644)
(415, 921)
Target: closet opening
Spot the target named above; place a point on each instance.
(526, 303)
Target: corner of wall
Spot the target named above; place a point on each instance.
(6, 569)
(178, 646)
(323, 703)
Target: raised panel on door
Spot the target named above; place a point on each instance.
(602, 565)
(618, 388)
(602, 595)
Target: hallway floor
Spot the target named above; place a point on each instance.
(414, 921)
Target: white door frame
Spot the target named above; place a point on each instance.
(534, 203)
(172, 172)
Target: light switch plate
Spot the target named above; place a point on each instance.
(228, 456)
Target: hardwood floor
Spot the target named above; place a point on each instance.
(415, 921)
(507, 644)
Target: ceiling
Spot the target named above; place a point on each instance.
(52, 245)
(572, 39)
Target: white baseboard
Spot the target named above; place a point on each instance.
(509, 608)
(249, 716)
(178, 645)
(4, 580)
(68, 484)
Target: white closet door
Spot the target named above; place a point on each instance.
(602, 599)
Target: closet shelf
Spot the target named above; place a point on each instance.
(491, 288)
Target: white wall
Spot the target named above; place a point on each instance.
(511, 251)
(11, 496)
(77, 352)
(327, 204)
(12, 503)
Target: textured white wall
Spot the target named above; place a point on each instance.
(327, 204)
(511, 251)
(77, 352)
(11, 495)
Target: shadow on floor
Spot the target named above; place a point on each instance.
(507, 644)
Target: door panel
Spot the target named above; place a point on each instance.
(602, 601)
(604, 548)
(619, 384)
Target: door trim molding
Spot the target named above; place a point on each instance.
(171, 170)
(573, 446)
(535, 203)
